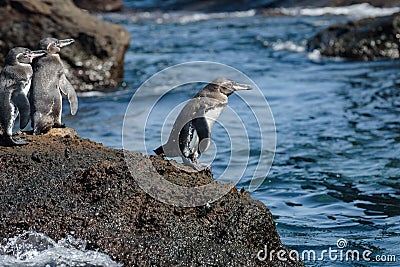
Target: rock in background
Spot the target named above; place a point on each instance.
(331, 3)
(196, 5)
(100, 5)
(94, 62)
(367, 39)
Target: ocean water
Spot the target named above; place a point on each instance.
(336, 171)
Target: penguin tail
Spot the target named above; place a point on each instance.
(159, 150)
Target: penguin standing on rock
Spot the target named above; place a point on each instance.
(48, 81)
(191, 132)
(15, 81)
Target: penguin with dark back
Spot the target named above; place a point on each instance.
(48, 81)
(191, 132)
(15, 81)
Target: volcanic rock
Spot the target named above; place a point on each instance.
(90, 192)
(100, 5)
(331, 3)
(366, 39)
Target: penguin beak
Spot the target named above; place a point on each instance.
(238, 86)
(62, 43)
(37, 53)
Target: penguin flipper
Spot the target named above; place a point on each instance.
(24, 108)
(67, 89)
(203, 132)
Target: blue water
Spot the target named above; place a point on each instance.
(336, 169)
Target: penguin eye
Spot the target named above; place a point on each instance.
(52, 44)
(21, 56)
(226, 85)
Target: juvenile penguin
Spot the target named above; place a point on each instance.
(15, 81)
(48, 81)
(191, 132)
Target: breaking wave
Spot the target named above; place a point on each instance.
(357, 11)
(181, 17)
(31, 249)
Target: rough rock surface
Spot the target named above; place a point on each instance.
(61, 184)
(241, 5)
(100, 5)
(95, 61)
(367, 39)
(196, 5)
(322, 3)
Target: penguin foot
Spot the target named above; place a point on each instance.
(40, 129)
(201, 167)
(20, 142)
(9, 141)
(57, 125)
(196, 165)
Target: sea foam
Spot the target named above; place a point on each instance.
(180, 17)
(31, 249)
(356, 11)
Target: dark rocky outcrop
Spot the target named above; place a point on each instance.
(332, 3)
(377, 3)
(367, 39)
(198, 5)
(241, 5)
(95, 61)
(61, 184)
(100, 5)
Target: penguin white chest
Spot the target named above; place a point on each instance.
(212, 115)
(14, 112)
(26, 86)
(12, 118)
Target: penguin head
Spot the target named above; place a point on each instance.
(53, 45)
(227, 86)
(21, 55)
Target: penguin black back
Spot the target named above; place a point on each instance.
(15, 80)
(48, 81)
(196, 119)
